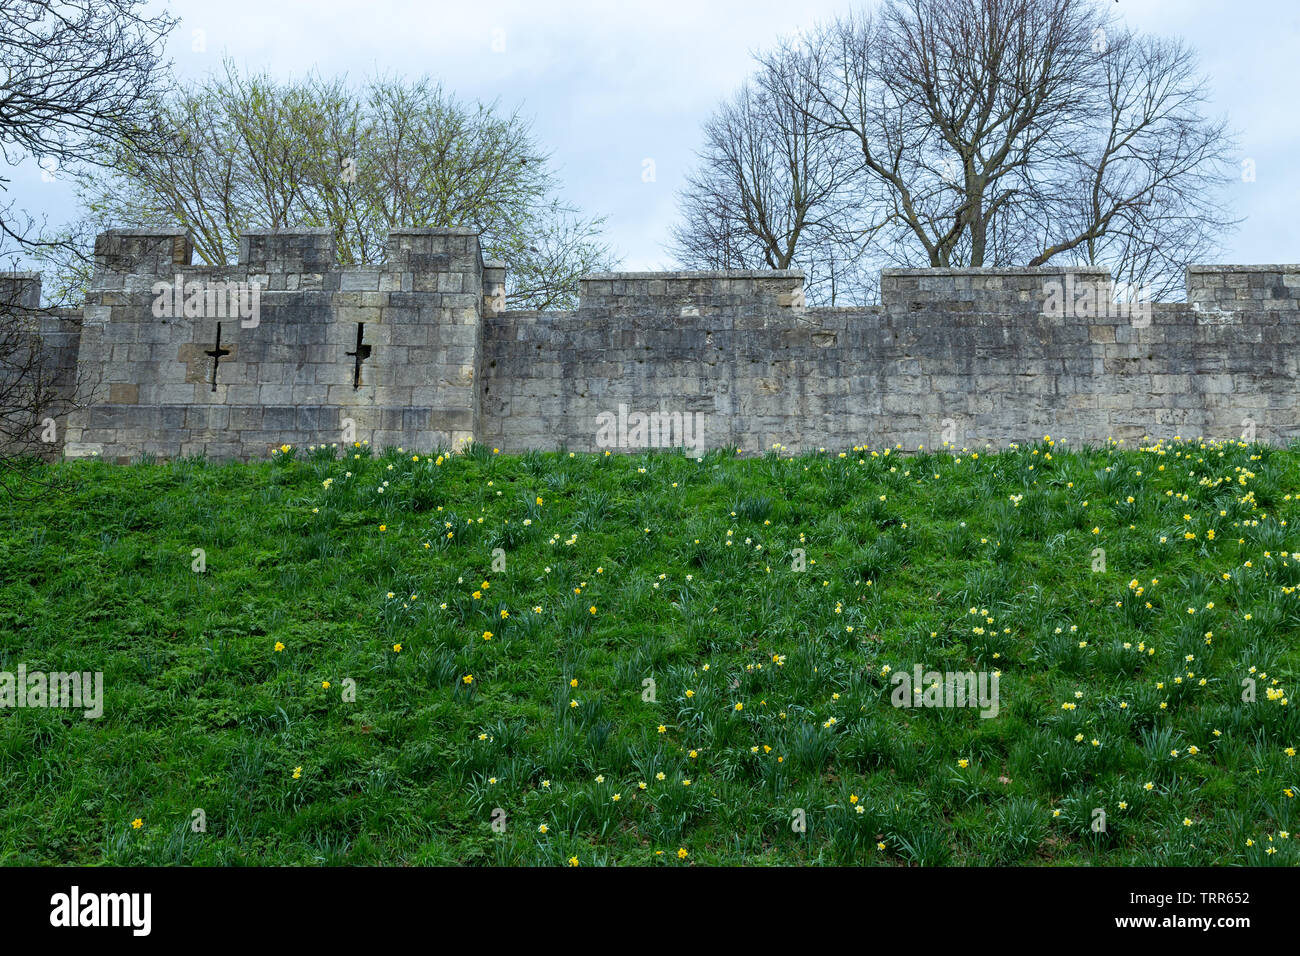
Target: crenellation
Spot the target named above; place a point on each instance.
(289, 345)
(20, 291)
(284, 251)
(421, 350)
(140, 252)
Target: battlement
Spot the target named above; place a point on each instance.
(288, 251)
(964, 356)
(1228, 288)
(282, 346)
(141, 252)
(979, 290)
(20, 290)
(691, 292)
(421, 350)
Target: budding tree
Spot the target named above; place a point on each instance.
(249, 151)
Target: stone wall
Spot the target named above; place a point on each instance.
(389, 353)
(702, 359)
(38, 367)
(961, 355)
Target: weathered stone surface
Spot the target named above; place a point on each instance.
(293, 372)
(708, 358)
(964, 355)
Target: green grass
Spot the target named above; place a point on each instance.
(706, 641)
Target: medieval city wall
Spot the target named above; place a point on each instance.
(421, 351)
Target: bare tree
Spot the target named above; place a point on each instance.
(998, 132)
(773, 192)
(76, 72)
(1139, 194)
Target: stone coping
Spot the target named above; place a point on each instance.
(713, 274)
(998, 271)
(1284, 268)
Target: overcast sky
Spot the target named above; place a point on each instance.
(612, 85)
